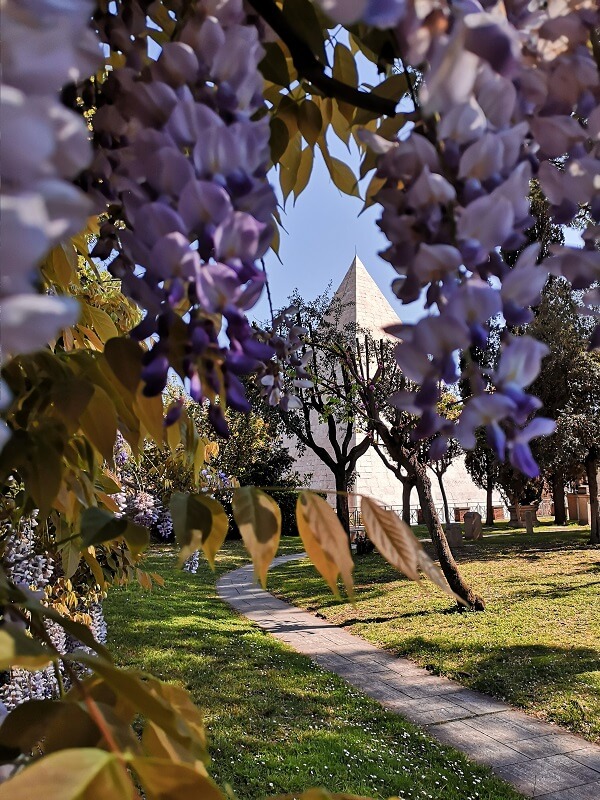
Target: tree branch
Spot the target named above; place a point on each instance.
(310, 68)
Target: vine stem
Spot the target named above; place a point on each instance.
(309, 67)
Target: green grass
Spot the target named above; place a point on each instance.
(545, 525)
(536, 646)
(276, 722)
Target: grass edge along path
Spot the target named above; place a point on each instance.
(537, 645)
(537, 758)
(276, 722)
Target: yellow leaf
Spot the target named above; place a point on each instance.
(304, 171)
(392, 537)
(150, 413)
(344, 65)
(164, 780)
(19, 650)
(92, 562)
(199, 522)
(101, 322)
(83, 773)
(310, 121)
(71, 557)
(289, 165)
(173, 436)
(374, 186)
(199, 459)
(325, 540)
(259, 519)
(435, 575)
(99, 423)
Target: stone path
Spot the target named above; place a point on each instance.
(538, 759)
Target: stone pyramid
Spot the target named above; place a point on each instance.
(366, 306)
(363, 300)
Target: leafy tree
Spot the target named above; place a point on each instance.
(362, 374)
(483, 467)
(327, 398)
(569, 387)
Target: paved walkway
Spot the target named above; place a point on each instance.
(538, 759)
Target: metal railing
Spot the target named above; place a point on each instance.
(481, 508)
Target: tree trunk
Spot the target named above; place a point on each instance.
(407, 487)
(444, 554)
(341, 501)
(444, 498)
(489, 504)
(558, 496)
(591, 470)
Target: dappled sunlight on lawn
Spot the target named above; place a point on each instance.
(537, 645)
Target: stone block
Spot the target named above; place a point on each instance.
(454, 535)
(528, 521)
(473, 526)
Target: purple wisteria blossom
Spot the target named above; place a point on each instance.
(44, 146)
(515, 92)
(182, 162)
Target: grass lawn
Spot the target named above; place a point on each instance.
(276, 722)
(536, 646)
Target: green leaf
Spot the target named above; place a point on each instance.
(325, 541)
(199, 522)
(17, 649)
(302, 17)
(310, 121)
(98, 526)
(259, 519)
(274, 66)
(82, 773)
(279, 139)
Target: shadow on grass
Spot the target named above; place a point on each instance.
(276, 722)
(518, 673)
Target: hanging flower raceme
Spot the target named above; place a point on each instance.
(510, 93)
(181, 161)
(44, 145)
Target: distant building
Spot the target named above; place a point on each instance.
(366, 306)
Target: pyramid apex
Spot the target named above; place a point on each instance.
(367, 307)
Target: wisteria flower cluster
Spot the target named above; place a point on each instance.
(44, 147)
(27, 567)
(511, 94)
(181, 161)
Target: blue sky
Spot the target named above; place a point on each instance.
(324, 231)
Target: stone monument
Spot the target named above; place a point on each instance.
(473, 528)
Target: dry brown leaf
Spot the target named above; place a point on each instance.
(259, 519)
(392, 537)
(325, 540)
